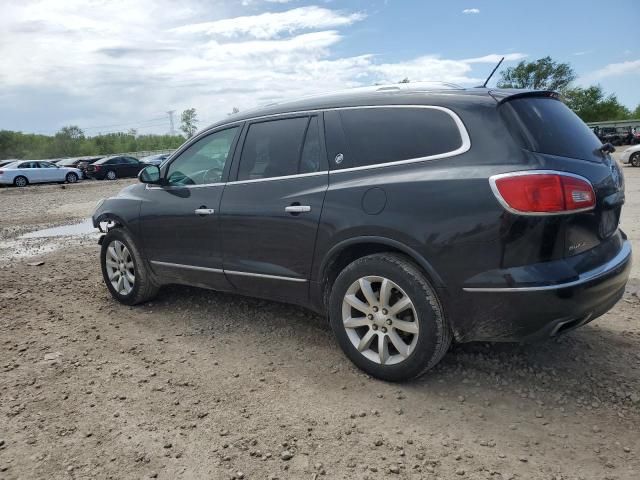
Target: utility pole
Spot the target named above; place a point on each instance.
(172, 130)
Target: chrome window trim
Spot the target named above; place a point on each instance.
(264, 275)
(230, 272)
(464, 136)
(284, 177)
(621, 257)
(464, 147)
(506, 206)
(171, 187)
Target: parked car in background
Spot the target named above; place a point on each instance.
(24, 172)
(7, 162)
(83, 164)
(631, 155)
(110, 168)
(155, 159)
(410, 218)
(613, 135)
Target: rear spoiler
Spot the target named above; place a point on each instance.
(502, 96)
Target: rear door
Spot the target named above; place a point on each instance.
(31, 171)
(270, 212)
(558, 139)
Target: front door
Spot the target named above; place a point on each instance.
(270, 213)
(50, 173)
(179, 222)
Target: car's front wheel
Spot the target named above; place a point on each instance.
(71, 177)
(635, 159)
(124, 270)
(387, 317)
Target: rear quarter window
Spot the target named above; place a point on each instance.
(546, 125)
(382, 135)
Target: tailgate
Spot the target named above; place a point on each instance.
(558, 139)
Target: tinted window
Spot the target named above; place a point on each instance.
(47, 165)
(547, 125)
(311, 159)
(204, 161)
(28, 165)
(381, 135)
(272, 149)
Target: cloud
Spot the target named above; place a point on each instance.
(495, 58)
(631, 67)
(270, 25)
(124, 61)
(471, 11)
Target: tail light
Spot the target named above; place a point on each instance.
(96, 167)
(543, 192)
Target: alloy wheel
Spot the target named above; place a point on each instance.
(120, 267)
(380, 320)
(111, 175)
(21, 182)
(635, 160)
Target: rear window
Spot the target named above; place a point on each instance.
(547, 125)
(383, 135)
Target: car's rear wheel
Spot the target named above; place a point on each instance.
(111, 175)
(124, 270)
(20, 181)
(387, 317)
(71, 177)
(635, 159)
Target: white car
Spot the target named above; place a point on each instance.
(631, 155)
(23, 172)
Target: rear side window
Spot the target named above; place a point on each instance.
(383, 135)
(547, 125)
(272, 149)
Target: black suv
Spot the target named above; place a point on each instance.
(114, 167)
(411, 218)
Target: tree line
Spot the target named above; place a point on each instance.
(71, 141)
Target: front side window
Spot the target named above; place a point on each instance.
(386, 134)
(274, 149)
(204, 161)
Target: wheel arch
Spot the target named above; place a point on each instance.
(347, 251)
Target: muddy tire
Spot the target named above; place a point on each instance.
(387, 317)
(124, 270)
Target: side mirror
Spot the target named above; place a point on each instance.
(150, 174)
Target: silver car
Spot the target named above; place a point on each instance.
(23, 172)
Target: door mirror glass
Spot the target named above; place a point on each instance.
(150, 174)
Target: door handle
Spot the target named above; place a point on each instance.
(204, 211)
(297, 208)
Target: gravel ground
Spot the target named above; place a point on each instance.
(199, 384)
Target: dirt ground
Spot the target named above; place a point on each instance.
(199, 384)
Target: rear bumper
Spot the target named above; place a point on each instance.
(531, 312)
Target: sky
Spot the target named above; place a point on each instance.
(111, 65)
